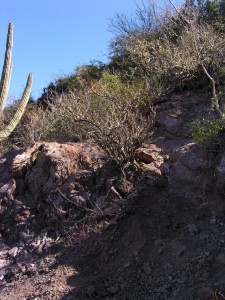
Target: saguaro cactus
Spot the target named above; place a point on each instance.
(4, 88)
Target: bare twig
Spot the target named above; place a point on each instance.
(77, 205)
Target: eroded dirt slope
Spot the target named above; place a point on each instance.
(165, 236)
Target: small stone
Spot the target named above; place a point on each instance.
(148, 155)
(32, 269)
(123, 186)
(13, 252)
(8, 188)
(24, 236)
(3, 252)
(4, 263)
(23, 269)
(39, 249)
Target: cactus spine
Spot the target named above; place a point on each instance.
(4, 88)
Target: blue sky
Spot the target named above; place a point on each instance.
(52, 37)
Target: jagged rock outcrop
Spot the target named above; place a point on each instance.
(29, 179)
(45, 166)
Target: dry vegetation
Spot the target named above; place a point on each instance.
(169, 237)
(153, 53)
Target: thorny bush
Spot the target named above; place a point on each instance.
(112, 114)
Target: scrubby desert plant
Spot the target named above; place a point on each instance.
(112, 114)
(172, 46)
(51, 124)
(205, 132)
(7, 129)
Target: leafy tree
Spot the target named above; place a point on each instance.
(213, 12)
(210, 11)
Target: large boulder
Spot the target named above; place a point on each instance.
(187, 163)
(44, 167)
(43, 185)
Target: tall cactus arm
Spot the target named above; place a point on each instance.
(4, 88)
(7, 69)
(4, 133)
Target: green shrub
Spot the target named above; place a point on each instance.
(205, 132)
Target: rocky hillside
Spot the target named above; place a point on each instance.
(75, 228)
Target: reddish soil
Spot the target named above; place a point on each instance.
(167, 243)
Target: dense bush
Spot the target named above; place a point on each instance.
(152, 53)
(205, 132)
(109, 112)
(72, 82)
(170, 47)
(213, 12)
